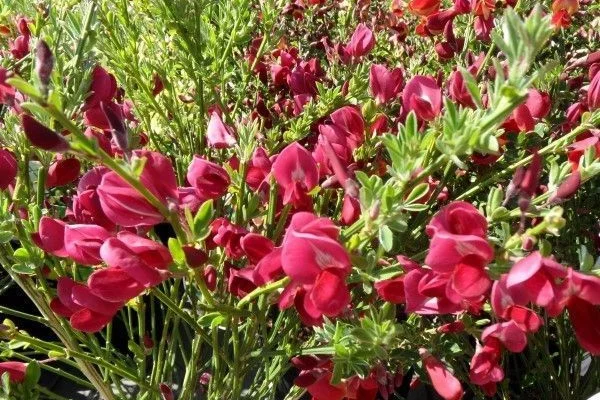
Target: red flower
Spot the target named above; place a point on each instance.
(86, 310)
(391, 290)
(82, 243)
(537, 279)
(256, 246)
(509, 334)
(259, 168)
(593, 95)
(423, 96)
(62, 172)
(424, 8)
(485, 369)
(361, 43)
(444, 383)
(350, 210)
(310, 246)
(51, 236)
(385, 84)
(296, 172)
(562, 10)
(526, 115)
(14, 369)
(7, 92)
(219, 135)
(134, 264)
(228, 236)
(42, 137)
(8, 168)
(241, 281)
(209, 179)
(103, 88)
(125, 206)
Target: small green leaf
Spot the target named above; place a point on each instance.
(24, 87)
(32, 374)
(24, 269)
(202, 220)
(22, 254)
(386, 238)
(176, 251)
(5, 236)
(417, 193)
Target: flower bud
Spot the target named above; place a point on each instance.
(44, 63)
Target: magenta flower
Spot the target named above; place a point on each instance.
(361, 43)
(296, 172)
(511, 336)
(228, 236)
(526, 115)
(103, 88)
(423, 96)
(125, 206)
(209, 179)
(82, 243)
(62, 172)
(219, 135)
(50, 236)
(385, 84)
(14, 369)
(86, 311)
(8, 168)
(256, 246)
(443, 381)
(593, 94)
(41, 136)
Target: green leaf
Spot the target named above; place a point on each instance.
(21, 254)
(386, 237)
(24, 87)
(32, 374)
(24, 269)
(5, 236)
(202, 220)
(176, 251)
(417, 193)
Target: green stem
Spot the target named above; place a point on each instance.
(271, 287)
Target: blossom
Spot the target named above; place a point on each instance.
(423, 96)
(125, 206)
(82, 243)
(50, 236)
(209, 179)
(424, 8)
(296, 172)
(391, 290)
(87, 312)
(384, 84)
(485, 369)
(593, 94)
(14, 369)
(444, 383)
(218, 134)
(228, 236)
(134, 264)
(361, 43)
(41, 136)
(526, 115)
(8, 168)
(62, 172)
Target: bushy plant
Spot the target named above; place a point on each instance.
(271, 200)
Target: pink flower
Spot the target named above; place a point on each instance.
(361, 43)
(391, 290)
(315, 375)
(485, 369)
(103, 88)
(87, 311)
(593, 94)
(218, 134)
(537, 278)
(425, 293)
(8, 168)
(82, 243)
(256, 246)
(259, 168)
(86, 208)
(269, 267)
(229, 236)
(385, 84)
(62, 172)
(14, 369)
(51, 236)
(457, 90)
(423, 96)
(444, 383)
(310, 246)
(241, 281)
(509, 334)
(134, 264)
(125, 206)
(526, 115)
(209, 179)
(350, 210)
(296, 172)
(41, 136)
(19, 48)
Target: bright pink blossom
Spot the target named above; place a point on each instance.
(209, 179)
(361, 43)
(14, 369)
(423, 96)
(8, 168)
(82, 243)
(385, 84)
(296, 172)
(218, 134)
(443, 381)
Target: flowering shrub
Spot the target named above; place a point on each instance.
(265, 200)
